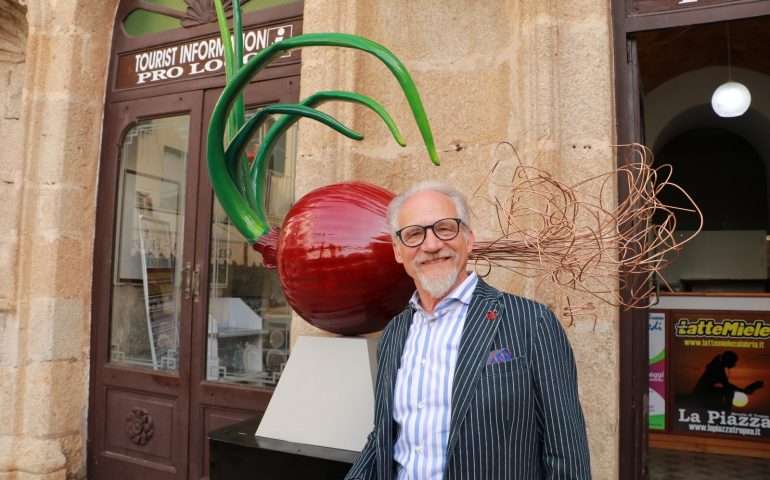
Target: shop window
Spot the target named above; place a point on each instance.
(146, 300)
(249, 318)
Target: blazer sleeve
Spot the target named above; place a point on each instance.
(559, 415)
(364, 468)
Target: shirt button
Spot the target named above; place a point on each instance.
(418, 449)
(424, 361)
(420, 405)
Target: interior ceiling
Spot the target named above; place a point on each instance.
(666, 54)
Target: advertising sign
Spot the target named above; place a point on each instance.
(719, 364)
(201, 57)
(657, 414)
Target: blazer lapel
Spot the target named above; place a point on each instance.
(393, 358)
(478, 334)
(391, 363)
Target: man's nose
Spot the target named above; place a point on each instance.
(432, 242)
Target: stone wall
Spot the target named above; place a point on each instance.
(51, 108)
(489, 72)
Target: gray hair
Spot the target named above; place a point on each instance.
(461, 203)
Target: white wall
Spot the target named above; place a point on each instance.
(734, 254)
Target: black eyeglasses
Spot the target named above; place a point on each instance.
(414, 235)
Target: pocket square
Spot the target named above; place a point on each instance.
(499, 356)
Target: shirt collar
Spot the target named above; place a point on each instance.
(462, 293)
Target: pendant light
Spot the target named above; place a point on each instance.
(731, 99)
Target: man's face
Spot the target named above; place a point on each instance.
(437, 266)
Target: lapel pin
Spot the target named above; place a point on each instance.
(492, 314)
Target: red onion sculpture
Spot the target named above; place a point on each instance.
(335, 260)
(334, 255)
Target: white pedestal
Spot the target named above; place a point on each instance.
(326, 394)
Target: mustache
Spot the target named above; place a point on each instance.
(423, 257)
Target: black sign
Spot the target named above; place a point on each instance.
(192, 59)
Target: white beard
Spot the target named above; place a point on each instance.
(437, 285)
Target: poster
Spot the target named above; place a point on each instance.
(657, 369)
(719, 367)
(160, 303)
(149, 196)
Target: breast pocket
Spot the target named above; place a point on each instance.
(516, 364)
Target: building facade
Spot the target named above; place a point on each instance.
(88, 383)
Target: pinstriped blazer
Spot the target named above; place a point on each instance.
(516, 420)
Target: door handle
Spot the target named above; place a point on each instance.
(196, 283)
(186, 280)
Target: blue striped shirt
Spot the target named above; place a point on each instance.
(422, 404)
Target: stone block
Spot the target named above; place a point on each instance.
(57, 475)
(330, 16)
(441, 31)
(59, 267)
(6, 455)
(591, 157)
(404, 167)
(40, 458)
(54, 397)
(11, 132)
(585, 79)
(71, 147)
(9, 338)
(56, 329)
(10, 192)
(74, 451)
(8, 258)
(64, 210)
(464, 106)
(596, 353)
(9, 385)
(90, 18)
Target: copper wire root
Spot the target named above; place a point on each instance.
(579, 238)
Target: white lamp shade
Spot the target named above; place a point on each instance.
(731, 99)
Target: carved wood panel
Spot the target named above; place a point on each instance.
(140, 425)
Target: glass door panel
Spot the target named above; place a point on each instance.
(150, 211)
(248, 316)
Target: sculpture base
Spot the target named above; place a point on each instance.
(326, 394)
(236, 453)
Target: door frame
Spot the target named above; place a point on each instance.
(118, 104)
(633, 388)
(168, 387)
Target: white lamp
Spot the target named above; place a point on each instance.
(731, 99)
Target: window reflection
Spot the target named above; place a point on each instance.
(144, 329)
(249, 318)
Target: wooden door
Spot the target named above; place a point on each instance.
(142, 303)
(241, 323)
(177, 292)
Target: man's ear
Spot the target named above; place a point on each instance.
(397, 252)
(471, 238)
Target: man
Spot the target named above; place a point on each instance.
(472, 383)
